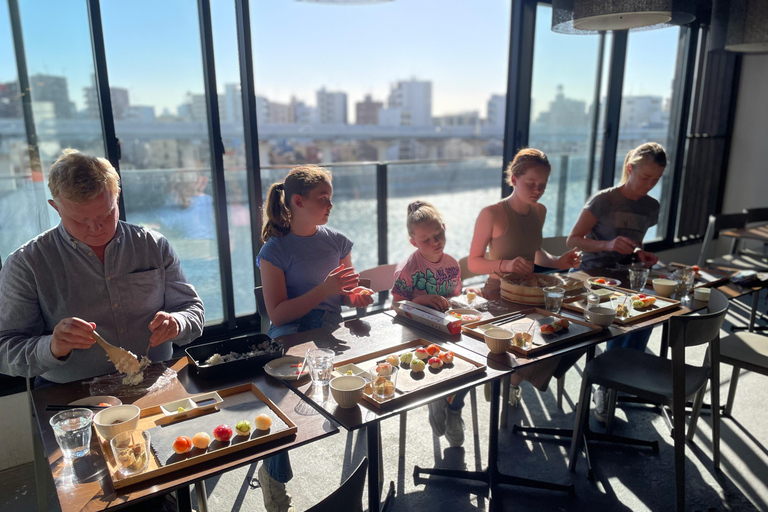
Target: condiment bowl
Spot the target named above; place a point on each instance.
(664, 287)
(347, 390)
(116, 419)
(498, 340)
(600, 316)
(701, 294)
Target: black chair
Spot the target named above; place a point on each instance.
(722, 222)
(660, 380)
(760, 250)
(348, 497)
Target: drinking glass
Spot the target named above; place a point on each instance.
(638, 278)
(320, 364)
(72, 429)
(131, 451)
(383, 385)
(553, 298)
(523, 337)
(621, 301)
(684, 278)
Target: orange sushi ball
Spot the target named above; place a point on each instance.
(182, 444)
(262, 422)
(201, 440)
(433, 349)
(446, 357)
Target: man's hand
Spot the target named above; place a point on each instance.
(71, 333)
(163, 327)
(647, 258)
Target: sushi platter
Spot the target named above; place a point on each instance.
(410, 380)
(623, 297)
(537, 322)
(238, 403)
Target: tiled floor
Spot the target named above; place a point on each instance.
(626, 478)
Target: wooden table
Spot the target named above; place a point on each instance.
(94, 490)
(367, 335)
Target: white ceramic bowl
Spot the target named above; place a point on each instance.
(600, 316)
(701, 294)
(664, 287)
(116, 419)
(498, 340)
(96, 400)
(347, 390)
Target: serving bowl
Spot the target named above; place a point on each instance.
(498, 340)
(347, 390)
(701, 294)
(600, 316)
(664, 287)
(116, 419)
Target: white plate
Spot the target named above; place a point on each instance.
(281, 368)
(608, 281)
(467, 315)
(356, 370)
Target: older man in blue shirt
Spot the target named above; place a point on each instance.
(91, 271)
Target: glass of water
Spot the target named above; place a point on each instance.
(72, 429)
(638, 278)
(553, 298)
(684, 278)
(320, 364)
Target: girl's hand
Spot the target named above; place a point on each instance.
(361, 297)
(437, 302)
(571, 259)
(622, 245)
(340, 281)
(518, 265)
(647, 258)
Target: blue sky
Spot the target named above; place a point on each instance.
(153, 49)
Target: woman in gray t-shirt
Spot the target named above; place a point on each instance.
(614, 221)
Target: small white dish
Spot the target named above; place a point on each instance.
(286, 368)
(701, 294)
(340, 371)
(206, 400)
(172, 408)
(468, 315)
(608, 281)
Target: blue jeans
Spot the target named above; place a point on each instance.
(279, 466)
(636, 340)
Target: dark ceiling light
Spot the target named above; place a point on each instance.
(747, 26)
(590, 16)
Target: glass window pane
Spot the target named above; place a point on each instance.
(161, 120)
(232, 134)
(563, 89)
(473, 185)
(59, 60)
(376, 82)
(645, 104)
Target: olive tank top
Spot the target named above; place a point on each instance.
(522, 237)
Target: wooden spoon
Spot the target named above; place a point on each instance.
(124, 361)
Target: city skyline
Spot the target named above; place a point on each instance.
(467, 70)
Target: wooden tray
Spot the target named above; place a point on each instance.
(707, 276)
(407, 381)
(541, 342)
(244, 396)
(662, 305)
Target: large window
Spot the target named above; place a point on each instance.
(562, 106)
(645, 104)
(59, 63)
(158, 100)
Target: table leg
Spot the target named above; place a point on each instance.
(202, 496)
(42, 469)
(373, 432)
(183, 499)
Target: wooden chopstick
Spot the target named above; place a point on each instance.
(53, 407)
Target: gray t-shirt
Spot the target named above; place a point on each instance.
(618, 216)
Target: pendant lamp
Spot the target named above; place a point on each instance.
(601, 15)
(747, 26)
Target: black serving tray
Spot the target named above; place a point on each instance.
(199, 354)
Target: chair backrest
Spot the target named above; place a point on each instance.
(464, 266)
(756, 215)
(348, 497)
(716, 224)
(382, 277)
(261, 306)
(692, 330)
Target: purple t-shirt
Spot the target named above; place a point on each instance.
(417, 276)
(307, 260)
